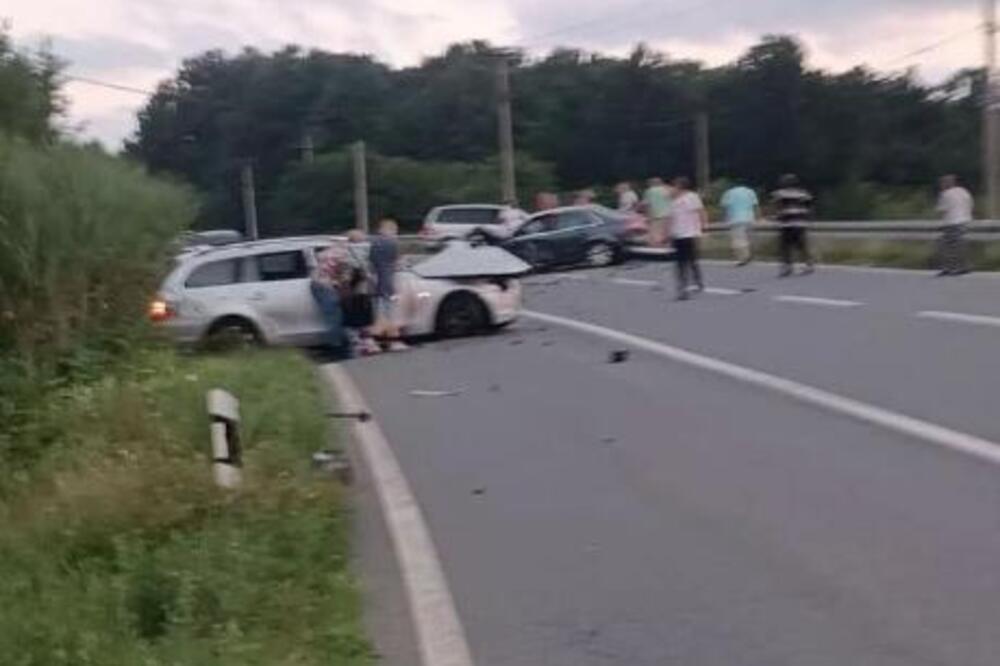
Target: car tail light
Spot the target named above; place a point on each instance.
(160, 309)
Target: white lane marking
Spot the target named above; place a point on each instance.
(720, 291)
(634, 283)
(809, 300)
(982, 320)
(439, 631)
(955, 440)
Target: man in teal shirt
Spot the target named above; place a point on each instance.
(657, 203)
(742, 209)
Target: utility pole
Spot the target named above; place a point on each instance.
(508, 182)
(308, 147)
(702, 152)
(249, 201)
(360, 187)
(991, 106)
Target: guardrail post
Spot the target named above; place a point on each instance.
(224, 413)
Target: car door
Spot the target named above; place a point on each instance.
(534, 242)
(573, 228)
(281, 296)
(212, 290)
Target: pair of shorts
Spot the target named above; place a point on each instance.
(739, 235)
(385, 308)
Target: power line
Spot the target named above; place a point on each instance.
(112, 86)
(934, 45)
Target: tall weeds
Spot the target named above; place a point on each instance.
(82, 241)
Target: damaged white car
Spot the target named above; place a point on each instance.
(260, 290)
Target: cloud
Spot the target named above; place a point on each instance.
(161, 33)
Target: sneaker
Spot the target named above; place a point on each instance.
(809, 270)
(785, 272)
(398, 346)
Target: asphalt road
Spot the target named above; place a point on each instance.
(647, 512)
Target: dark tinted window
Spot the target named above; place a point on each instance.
(468, 216)
(536, 226)
(573, 220)
(282, 266)
(215, 274)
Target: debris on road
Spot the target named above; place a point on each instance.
(479, 491)
(619, 356)
(420, 393)
(363, 417)
(495, 388)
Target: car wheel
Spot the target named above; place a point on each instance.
(461, 315)
(232, 333)
(601, 254)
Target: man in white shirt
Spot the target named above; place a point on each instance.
(687, 221)
(628, 200)
(955, 206)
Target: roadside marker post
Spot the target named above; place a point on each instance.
(224, 413)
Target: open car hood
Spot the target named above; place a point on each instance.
(461, 260)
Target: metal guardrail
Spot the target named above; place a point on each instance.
(916, 229)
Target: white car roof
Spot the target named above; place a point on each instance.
(252, 247)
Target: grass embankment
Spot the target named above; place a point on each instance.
(829, 249)
(116, 548)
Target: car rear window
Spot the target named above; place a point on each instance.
(282, 266)
(573, 220)
(214, 274)
(468, 216)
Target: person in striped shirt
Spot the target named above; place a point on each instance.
(793, 206)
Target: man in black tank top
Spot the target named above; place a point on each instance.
(793, 206)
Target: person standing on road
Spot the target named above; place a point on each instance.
(955, 205)
(793, 207)
(688, 221)
(742, 210)
(384, 258)
(628, 200)
(546, 201)
(328, 278)
(656, 201)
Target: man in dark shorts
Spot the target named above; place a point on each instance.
(384, 256)
(793, 208)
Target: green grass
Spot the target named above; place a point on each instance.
(116, 548)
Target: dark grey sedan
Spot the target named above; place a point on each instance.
(589, 235)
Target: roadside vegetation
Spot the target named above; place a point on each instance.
(115, 546)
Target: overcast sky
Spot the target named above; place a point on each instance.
(140, 42)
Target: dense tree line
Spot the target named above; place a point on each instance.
(859, 136)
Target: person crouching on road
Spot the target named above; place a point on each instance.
(384, 258)
(328, 279)
(742, 209)
(793, 206)
(955, 205)
(358, 302)
(687, 223)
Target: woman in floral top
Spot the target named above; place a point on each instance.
(330, 276)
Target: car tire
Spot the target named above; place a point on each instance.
(601, 254)
(232, 333)
(461, 315)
